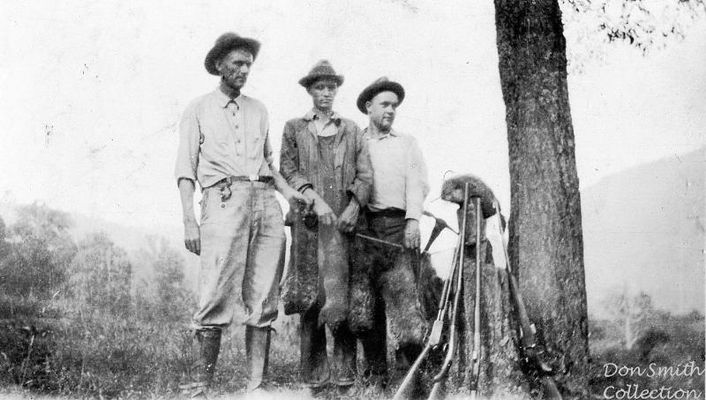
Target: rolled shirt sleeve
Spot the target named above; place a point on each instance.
(417, 181)
(267, 147)
(187, 159)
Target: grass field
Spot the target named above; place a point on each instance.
(56, 349)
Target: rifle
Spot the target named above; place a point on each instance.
(532, 353)
(475, 355)
(434, 338)
(380, 241)
(440, 378)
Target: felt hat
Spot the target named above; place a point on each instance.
(380, 85)
(321, 69)
(224, 44)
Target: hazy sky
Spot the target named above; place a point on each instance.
(92, 92)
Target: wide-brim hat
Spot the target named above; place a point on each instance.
(224, 44)
(380, 85)
(321, 70)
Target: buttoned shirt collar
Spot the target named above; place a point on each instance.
(369, 135)
(223, 99)
(313, 115)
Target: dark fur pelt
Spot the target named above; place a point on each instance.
(361, 295)
(301, 283)
(407, 324)
(452, 190)
(430, 288)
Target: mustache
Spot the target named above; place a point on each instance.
(235, 74)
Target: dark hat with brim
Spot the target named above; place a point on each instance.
(224, 44)
(321, 70)
(380, 85)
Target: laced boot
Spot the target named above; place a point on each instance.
(257, 349)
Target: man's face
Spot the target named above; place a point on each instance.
(381, 110)
(323, 92)
(234, 67)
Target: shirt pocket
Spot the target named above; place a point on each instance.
(255, 140)
(217, 141)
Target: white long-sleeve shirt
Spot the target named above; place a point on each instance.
(220, 137)
(399, 173)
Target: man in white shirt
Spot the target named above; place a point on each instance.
(224, 146)
(393, 212)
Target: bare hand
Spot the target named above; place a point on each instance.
(295, 199)
(324, 212)
(411, 235)
(349, 217)
(192, 236)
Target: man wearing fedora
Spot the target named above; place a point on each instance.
(388, 294)
(324, 157)
(224, 146)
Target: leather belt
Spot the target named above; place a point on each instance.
(389, 213)
(243, 178)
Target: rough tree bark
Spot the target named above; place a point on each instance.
(546, 243)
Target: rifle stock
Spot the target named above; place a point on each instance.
(409, 378)
(475, 355)
(436, 391)
(530, 351)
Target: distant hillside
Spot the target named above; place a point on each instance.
(131, 239)
(134, 239)
(645, 227)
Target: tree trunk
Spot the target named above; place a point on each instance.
(546, 243)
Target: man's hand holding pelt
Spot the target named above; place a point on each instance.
(349, 217)
(323, 212)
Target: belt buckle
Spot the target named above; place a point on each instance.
(253, 178)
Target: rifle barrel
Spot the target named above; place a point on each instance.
(475, 355)
(451, 349)
(379, 241)
(409, 378)
(528, 339)
(435, 335)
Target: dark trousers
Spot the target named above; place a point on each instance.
(315, 368)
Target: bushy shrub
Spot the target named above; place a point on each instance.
(35, 252)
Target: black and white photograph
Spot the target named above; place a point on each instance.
(371, 199)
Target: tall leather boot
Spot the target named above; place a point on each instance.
(209, 347)
(314, 366)
(375, 350)
(257, 349)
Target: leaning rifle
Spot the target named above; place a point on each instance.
(532, 353)
(440, 378)
(475, 355)
(434, 338)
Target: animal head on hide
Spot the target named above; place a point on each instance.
(452, 190)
